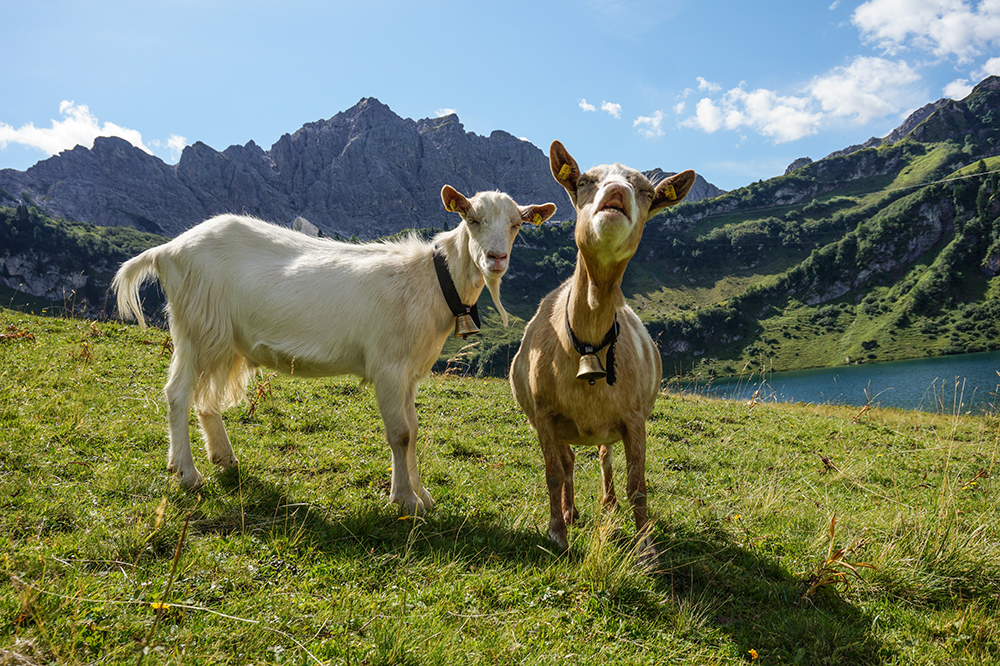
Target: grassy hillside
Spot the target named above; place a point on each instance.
(897, 273)
(296, 557)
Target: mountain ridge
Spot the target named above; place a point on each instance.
(364, 173)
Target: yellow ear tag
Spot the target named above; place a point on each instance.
(669, 192)
(564, 171)
(537, 219)
(451, 205)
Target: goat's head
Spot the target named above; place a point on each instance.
(492, 220)
(613, 203)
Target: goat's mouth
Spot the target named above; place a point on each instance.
(495, 267)
(614, 203)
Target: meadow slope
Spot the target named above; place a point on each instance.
(296, 557)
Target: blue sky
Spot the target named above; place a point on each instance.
(735, 90)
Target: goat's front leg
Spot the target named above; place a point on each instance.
(635, 459)
(179, 392)
(555, 478)
(399, 414)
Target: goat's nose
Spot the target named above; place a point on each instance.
(497, 260)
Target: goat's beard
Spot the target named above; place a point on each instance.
(493, 284)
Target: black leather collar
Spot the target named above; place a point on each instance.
(608, 341)
(450, 292)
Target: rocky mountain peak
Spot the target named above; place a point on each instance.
(365, 172)
(990, 83)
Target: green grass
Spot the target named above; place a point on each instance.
(296, 557)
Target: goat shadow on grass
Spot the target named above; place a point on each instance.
(706, 581)
(233, 503)
(758, 604)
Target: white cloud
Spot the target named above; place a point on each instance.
(612, 108)
(707, 85)
(707, 116)
(867, 89)
(781, 118)
(990, 68)
(587, 107)
(680, 108)
(78, 127)
(441, 113)
(958, 89)
(174, 145)
(784, 118)
(942, 27)
(649, 126)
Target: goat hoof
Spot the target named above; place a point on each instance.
(425, 500)
(226, 461)
(649, 560)
(408, 506)
(192, 480)
(559, 539)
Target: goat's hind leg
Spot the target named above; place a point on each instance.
(610, 499)
(179, 392)
(217, 444)
(226, 388)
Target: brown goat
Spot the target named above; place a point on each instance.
(612, 205)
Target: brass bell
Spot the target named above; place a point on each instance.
(591, 368)
(464, 325)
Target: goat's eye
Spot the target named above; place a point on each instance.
(472, 222)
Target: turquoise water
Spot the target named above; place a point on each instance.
(943, 384)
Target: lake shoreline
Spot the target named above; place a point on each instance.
(948, 383)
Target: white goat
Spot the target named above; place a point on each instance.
(612, 205)
(243, 293)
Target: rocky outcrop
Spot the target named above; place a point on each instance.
(364, 173)
(702, 189)
(798, 164)
(37, 274)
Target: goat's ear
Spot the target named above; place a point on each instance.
(672, 190)
(454, 201)
(564, 167)
(537, 214)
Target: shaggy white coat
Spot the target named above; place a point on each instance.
(244, 294)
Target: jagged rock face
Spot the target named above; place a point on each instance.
(113, 184)
(366, 172)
